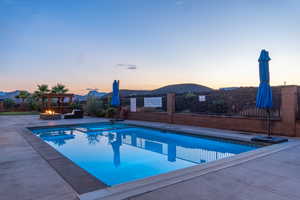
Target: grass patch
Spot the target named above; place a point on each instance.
(20, 113)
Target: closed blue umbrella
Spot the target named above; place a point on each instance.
(264, 97)
(264, 93)
(115, 101)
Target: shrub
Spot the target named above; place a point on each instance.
(124, 112)
(100, 113)
(110, 112)
(94, 106)
(190, 95)
(76, 105)
(218, 106)
(32, 104)
(9, 104)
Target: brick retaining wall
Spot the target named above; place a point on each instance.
(286, 126)
(220, 122)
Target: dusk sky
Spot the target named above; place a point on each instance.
(146, 44)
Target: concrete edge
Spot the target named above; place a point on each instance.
(79, 179)
(141, 186)
(216, 134)
(134, 188)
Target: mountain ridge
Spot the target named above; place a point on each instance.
(174, 88)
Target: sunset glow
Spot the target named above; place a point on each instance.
(146, 44)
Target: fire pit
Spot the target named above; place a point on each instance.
(50, 115)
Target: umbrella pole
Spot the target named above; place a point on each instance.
(269, 122)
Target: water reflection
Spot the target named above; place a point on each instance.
(191, 149)
(116, 154)
(93, 139)
(115, 139)
(57, 136)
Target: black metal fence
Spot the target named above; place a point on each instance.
(237, 102)
(140, 107)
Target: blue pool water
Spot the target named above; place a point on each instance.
(120, 153)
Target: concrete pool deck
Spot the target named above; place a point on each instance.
(274, 174)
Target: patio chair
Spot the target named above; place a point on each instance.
(75, 114)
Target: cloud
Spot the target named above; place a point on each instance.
(91, 89)
(127, 66)
(133, 67)
(121, 65)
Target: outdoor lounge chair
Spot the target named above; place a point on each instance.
(75, 114)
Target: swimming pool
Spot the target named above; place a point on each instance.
(119, 153)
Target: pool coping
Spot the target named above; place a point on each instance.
(246, 139)
(134, 188)
(79, 179)
(90, 188)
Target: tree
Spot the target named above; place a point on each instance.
(41, 91)
(8, 104)
(32, 103)
(95, 107)
(23, 95)
(59, 89)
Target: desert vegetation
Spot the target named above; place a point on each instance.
(99, 107)
(25, 101)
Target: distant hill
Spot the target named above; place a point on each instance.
(126, 92)
(92, 93)
(10, 95)
(95, 93)
(229, 88)
(181, 88)
(177, 89)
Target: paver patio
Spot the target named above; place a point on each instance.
(25, 175)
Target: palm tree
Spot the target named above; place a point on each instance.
(59, 89)
(41, 91)
(23, 95)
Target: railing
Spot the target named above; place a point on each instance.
(141, 107)
(238, 102)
